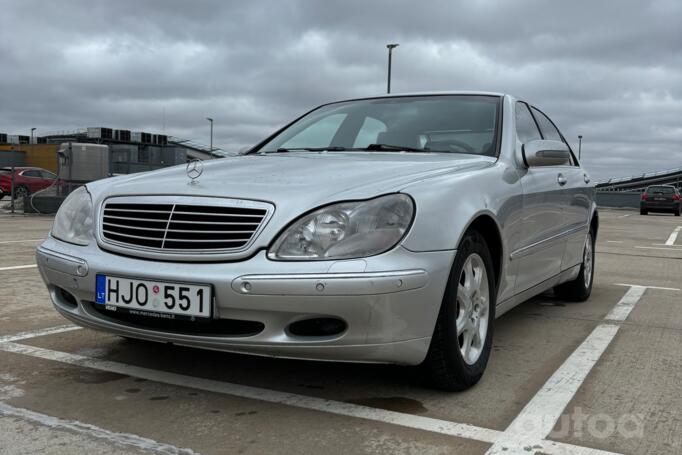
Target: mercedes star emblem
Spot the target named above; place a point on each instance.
(194, 170)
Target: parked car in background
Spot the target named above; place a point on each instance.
(660, 198)
(27, 180)
(392, 229)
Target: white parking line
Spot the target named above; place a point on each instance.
(21, 241)
(124, 439)
(658, 248)
(614, 241)
(540, 415)
(38, 333)
(673, 236)
(17, 267)
(443, 427)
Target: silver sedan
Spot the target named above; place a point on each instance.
(389, 229)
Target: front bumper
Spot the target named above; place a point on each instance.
(389, 302)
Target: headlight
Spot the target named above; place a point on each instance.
(346, 230)
(73, 222)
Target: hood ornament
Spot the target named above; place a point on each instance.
(194, 169)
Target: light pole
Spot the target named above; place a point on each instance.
(210, 120)
(390, 53)
(32, 130)
(580, 145)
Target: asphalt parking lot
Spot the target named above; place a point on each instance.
(603, 376)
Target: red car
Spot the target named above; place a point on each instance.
(27, 180)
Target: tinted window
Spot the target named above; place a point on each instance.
(47, 175)
(31, 174)
(526, 129)
(549, 131)
(444, 123)
(660, 189)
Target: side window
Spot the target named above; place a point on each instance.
(47, 175)
(549, 131)
(32, 174)
(319, 134)
(526, 129)
(369, 131)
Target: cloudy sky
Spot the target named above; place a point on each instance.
(609, 70)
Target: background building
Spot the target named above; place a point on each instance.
(129, 151)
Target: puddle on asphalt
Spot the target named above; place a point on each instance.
(398, 404)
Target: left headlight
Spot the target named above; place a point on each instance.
(346, 230)
(74, 220)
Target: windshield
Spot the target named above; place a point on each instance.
(440, 123)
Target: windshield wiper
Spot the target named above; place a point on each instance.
(396, 148)
(308, 149)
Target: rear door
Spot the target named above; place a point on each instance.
(577, 196)
(540, 253)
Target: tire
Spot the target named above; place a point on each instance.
(21, 191)
(447, 366)
(677, 212)
(643, 212)
(580, 289)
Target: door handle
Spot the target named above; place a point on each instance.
(587, 179)
(561, 179)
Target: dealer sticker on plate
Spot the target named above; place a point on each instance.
(160, 298)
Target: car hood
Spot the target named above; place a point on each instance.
(314, 177)
(294, 183)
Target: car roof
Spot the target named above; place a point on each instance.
(428, 93)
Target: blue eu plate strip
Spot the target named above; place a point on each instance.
(101, 289)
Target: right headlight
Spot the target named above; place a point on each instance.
(346, 230)
(74, 220)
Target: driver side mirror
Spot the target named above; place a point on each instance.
(545, 153)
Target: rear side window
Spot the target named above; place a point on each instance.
(549, 131)
(526, 129)
(660, 189)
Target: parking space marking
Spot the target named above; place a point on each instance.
(17, 267)
(38, 333)
(658, 248)
(255, 393)
(429, 424)
(540, 415)
(20, 241)
(673, 236)
(123, 439)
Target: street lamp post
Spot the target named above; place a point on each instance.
(32, 130)
(390, 53)
(210, 120)
(580, 145)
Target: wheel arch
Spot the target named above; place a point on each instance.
(486, 225)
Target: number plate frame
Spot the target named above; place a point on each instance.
(159, 311)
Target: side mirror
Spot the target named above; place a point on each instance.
(545, 153)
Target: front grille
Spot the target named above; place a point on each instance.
(176, 227)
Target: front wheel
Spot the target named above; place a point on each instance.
(462, 339)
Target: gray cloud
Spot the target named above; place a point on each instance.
(612, 72)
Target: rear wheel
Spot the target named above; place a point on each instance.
(677, 211)
(580, 289)
(462, 339)
(643, 211)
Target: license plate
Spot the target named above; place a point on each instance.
(154, 298)
(659, 199)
